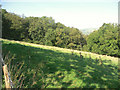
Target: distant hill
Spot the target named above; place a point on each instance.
(87, 31)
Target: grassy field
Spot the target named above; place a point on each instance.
(39, 66)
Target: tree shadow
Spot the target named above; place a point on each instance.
(53, 69)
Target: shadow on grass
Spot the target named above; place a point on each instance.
(53, 69)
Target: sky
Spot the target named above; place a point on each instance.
(80, 14)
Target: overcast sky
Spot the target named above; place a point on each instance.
(74, 13)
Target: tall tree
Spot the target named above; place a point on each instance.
(104, 40)
(38, 28)
(12, 25)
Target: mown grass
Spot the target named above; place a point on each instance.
(52, 67)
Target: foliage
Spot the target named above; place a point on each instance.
(41, 30)
(12, 26)
(104, 40)
(44, 31)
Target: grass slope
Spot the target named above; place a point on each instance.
(53, 67)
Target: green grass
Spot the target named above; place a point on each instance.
(53, 67)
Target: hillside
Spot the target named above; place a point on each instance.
(87, 31)
(53, 67)
(46, 31)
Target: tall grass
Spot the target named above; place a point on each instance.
(14, 69)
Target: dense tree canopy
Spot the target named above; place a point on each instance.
(41, 30)
(44, 30)
(13, 25)
(104, 40)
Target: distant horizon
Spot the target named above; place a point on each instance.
(74, 13)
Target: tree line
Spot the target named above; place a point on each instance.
(44, 31)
